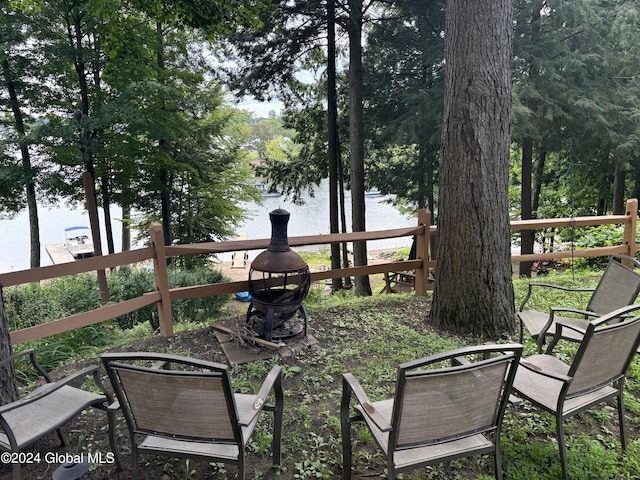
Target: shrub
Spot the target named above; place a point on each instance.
(34, 303)
(127, 283)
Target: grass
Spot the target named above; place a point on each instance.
(369, 337)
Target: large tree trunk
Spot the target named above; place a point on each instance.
(473, 292)
(356, 141)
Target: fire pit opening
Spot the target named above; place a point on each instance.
(279, 281)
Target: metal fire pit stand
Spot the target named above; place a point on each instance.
(279, 280)
(270, 320)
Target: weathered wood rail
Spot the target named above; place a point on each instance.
(158, 252)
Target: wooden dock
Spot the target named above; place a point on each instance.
(239, 259)
(58, 253)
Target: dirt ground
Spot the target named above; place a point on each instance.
(89, 432)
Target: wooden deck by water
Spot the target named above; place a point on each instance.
(58, 253)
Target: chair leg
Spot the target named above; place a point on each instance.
(134, 460)
(17, 474)
(497, 460)
(241, 463)
(346, 445)
(113, 441)
(63, 439)
(562, 447)
(391, 471)
(345, 428)
(621, 421)
(277, 424)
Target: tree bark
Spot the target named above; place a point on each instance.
(473, 291)
(356, 141)
(126, 227)
(8, 389)
(332, 138)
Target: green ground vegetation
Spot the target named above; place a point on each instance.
(369, 337)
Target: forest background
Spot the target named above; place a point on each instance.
(140, 94)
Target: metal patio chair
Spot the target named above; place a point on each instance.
(48, 408)
(403, 280)
(445, 406)
(184, 407)
(596, 374)
(619, 286)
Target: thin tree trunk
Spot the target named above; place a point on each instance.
(619, 204)
(106, 210)
(343, 220)
(332, 133)
(126, 228)
(526, 236)
(356, 141)
(30, 188)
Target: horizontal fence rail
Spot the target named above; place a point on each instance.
(424, 232)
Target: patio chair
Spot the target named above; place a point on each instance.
(184, 407)
(596, 374)
(401, 281)
(48, 408)
(619, 286)
(446, 406)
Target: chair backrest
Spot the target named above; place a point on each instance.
(604, 355)
(434, 405)
(619, 286)
(186, 404)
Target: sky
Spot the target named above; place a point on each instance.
(260, 109)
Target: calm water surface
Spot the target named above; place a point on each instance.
(312, 218)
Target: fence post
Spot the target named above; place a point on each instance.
(630, 227)
(162, 279)
(422, 251)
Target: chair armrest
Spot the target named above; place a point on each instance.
(576, 324)
(552, 319)
(50, 387)
(620, 313)
(272, 382)
(549, 285)
(579, 311)
(34, 362)
(351, 385)
(552, 375)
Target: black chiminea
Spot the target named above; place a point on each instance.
(279, 280)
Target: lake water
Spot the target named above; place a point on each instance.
(312, 218)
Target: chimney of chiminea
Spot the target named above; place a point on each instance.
(279, 258)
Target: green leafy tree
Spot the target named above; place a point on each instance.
(404, 81)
